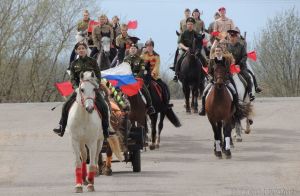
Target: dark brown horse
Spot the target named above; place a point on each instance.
(221, 112)
(191, 74)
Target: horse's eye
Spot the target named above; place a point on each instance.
(82, 90)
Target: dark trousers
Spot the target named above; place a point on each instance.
(254, 78)
(147, 95)
(100, 104)
(246, 75)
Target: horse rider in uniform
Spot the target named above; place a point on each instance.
(82, 64)
(123, 42)
(100, 31)
(223, 24)
(185, 42)
(239, 53)
(218, 58)
(152, 59)
(187, 14)
(199, 24)
(138, 68)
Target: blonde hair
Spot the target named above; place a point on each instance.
(124, 26)
(103, 16)
(86, 11)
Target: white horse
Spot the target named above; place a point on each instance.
(243, 96)
(84, 125)
(103, 56)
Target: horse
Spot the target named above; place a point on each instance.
(221, 113)
(84, 125)
(191, 74)
(103, 58)
(243, 96)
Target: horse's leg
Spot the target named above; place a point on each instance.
(195, 98)
(83, 152)
(92, 169)
(249, 121)
(227, 135)
(153, 130)
(238, 131)
(186, 90)
(217, 136)
(78, 170)
(99, 158)
(107, 169)
(160, 127)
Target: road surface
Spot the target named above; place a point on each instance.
(34, 161)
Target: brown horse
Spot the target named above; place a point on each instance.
(221, 112)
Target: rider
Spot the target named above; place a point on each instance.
(187, 14)
(99, 31)
(82, 64)
(122, 42)
(239, 53)
(223, 24)
(199, 24)
(152, 58)
(218, 57)
(82, 27)
(185, 42)
(138, 68)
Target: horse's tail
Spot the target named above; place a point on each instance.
(114, 143)
(172, 117)
(243, 111)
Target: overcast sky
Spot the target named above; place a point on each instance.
(159, 19)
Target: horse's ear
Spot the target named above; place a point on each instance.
(81, 75)
(93, 74)
(203, 36)
(177, 33)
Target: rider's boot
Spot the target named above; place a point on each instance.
(202, 110)
(60, 130)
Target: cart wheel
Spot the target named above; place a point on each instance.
(136, 160)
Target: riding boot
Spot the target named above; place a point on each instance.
(64, 116)
(103, 109)
(177, 68)
(202, 111)
(257, 89)
(175, 59)
(246, 75)
(150, 108)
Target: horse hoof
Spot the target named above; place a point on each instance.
(247, 131)
(227, 154)
(218, 154)
(107, 171)
(157, 146)
(78, 188)
(152, 147)
(238, 139)
(188, 111)
(196, 111)
(90, 188)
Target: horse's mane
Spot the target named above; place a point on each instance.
(88, 76)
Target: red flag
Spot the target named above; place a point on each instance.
(132, 24)
(132, 89)
(64, 88)
(91, 26)
(215, 33)
(252, 55)
(234, 69)
(205, 69)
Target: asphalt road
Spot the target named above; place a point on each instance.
(34, 161)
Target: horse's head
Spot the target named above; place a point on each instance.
(87, 87)
(219, 75)
(80, 37)
(197, 43)
(105, 44)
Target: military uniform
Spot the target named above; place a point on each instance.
(83, 25)
(223, 25)
(138, 69)
(81, 65)
(99, 32)
(199, 26)
(154, 61)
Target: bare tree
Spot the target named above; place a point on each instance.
(278, 49)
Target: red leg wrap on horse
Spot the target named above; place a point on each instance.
(91, 176)
(84, 171)
(78, 173)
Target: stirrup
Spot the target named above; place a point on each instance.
(59, 131)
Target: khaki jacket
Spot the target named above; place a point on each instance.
(99, 32)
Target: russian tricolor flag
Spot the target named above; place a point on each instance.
(121, 76)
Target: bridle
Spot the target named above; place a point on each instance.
(82, 99)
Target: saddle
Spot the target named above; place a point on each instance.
(158, 89)
(161, 90)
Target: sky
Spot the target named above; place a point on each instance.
(159, 19)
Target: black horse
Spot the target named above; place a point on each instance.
(191, 74)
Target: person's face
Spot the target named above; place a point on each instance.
(189, 26)
(233, 38)
(115, 20)
(102, 20)
(187, 14)
(132, 50)
(85, 16)
(218, 52)
(196, 15)
(81, 51)
(124, 31)
(222, 12)
(149, 48)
